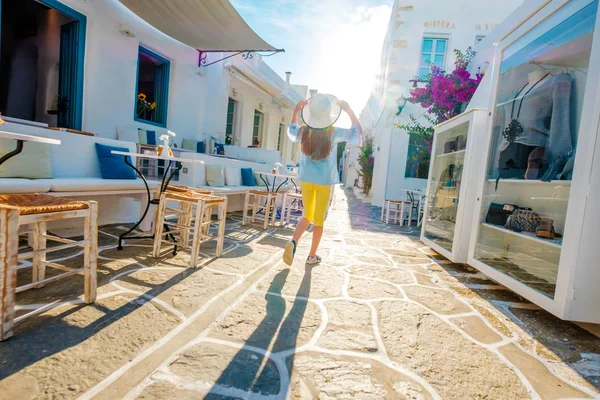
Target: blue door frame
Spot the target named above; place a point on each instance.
(77, 102)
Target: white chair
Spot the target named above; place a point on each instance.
(292, 202)
(194, 215)
(409, 200)
(36, 210)
(254, 200)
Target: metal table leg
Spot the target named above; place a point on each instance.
(13, 153)
(163, 186)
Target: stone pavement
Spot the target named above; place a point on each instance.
(383, 317)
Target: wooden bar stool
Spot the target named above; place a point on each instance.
(291, 202)
(37, 210)
(194, 214)
(397, 206)
(253, 200)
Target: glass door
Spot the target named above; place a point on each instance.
(444, 187)
(542, 79)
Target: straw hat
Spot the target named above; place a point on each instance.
(321, 111)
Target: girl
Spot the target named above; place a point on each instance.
(318, 167)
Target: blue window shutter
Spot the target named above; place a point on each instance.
(161, 90)
(67, 76)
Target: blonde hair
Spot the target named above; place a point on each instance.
(316, 143)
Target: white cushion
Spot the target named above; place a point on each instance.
(18, 185)
(233, 176)
(233, 189)
(128, 133)
(95, 184)
(32, 163)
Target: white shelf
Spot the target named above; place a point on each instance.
(450, 154)
(529, 182)
(532, 237)
(549, 199)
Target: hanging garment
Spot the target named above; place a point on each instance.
(544, 116)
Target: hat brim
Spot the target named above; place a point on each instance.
(324, 122)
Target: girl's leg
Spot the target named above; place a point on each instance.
(309, 195)
(321, 204)
(300, 229)
(308, 200)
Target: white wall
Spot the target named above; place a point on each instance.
(461, 21)
(111, 67)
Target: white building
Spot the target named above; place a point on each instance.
(419, 33)
(105, 54)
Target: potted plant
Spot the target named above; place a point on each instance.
(144, 108)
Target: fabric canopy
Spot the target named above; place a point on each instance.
(204, 25)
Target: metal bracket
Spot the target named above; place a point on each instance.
(416, 80)
(246, 55)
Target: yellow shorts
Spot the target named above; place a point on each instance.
(315, 199)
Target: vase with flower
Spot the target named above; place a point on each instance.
(165, 149)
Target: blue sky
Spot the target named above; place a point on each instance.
(333, 46)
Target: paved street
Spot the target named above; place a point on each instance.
(383, 317)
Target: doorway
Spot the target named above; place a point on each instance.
(42, 48)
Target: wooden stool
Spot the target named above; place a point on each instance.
(398, 206)
(253, 199)
(291, 202)
(185, 189)
(194, 214)
(37, 210)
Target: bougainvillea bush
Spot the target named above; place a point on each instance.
(444, 96)
(366, 163)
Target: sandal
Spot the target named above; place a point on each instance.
(289, 253)
(313, 260)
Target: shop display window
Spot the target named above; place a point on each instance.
(444, 187)
(535, 125)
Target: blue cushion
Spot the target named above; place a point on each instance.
(220, 148)
(200, 147)
(248, 177)
(112, 166)
(151, 137)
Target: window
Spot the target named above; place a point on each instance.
(42, 46)
(280, 138)
(478, 39)
(230, 120)
(152, 91)
(432, 53)
(417, 160)
(257, 128)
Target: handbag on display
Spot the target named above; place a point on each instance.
(537, 161)
(450, 146)
(498, 213)
(523, 220)
(514, 160)
(461, 142)
(446, 196)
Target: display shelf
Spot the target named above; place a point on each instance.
(529, 182)
(452, 153)
(549, 199)
(553, 243)
(450, 199)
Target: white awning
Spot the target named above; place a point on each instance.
(202, 24)
(258, 80)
